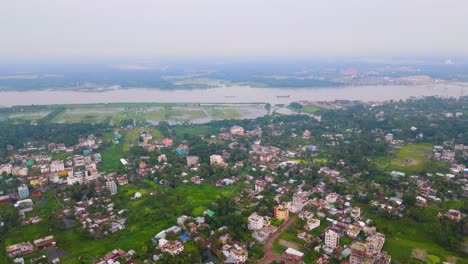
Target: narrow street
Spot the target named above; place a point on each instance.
(270, 256)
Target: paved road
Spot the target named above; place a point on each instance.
(270, 256)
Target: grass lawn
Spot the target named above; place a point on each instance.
(111, 157)
(195, 130)
(310, 109)
(412, 158)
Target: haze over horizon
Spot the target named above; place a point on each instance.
(48, 29)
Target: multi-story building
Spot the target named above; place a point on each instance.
(23, 191)
(376, 242)
(281, 212)
(239, 253)
(359, 253)
(57, 165)
(300, 199)
(112, 187)
(256, 222)
(362, 253)
(332, 238)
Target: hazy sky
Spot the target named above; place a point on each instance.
(139, 28)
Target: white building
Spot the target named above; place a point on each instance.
(23, 191)
(193, 161)
(57, 166)
(112, 187)
(332, 238)
(300, 199)
(331, 197)
(389, 138)
(312, 224)
(256, 222)
(239, 253)
(7, 168)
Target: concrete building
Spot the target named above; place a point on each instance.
(332, 238)
(256, 222)
(216, 160)
(389, 138)
(281, 212)
(192, 161)
(300, 199)
(312, 224)
(23, 191)
(112, 187)
(57, 166)
(237, 130)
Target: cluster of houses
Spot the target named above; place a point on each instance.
(103, 222)
(24, 248)
(327, 217)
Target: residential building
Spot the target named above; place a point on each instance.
(56, 166)
(292, 254)
(256, 222)
(216, 160)
(281, 212)
(331, 197)
(44, 241)
(312, 224)
(112, 187)
(7, 168)
(389, 138)
(237, 130)
(300, 199)
(376, 242)
(23, 191)
(192, 161)
(332, 238)
(260, 185)
(20, 249)
(359, 253)
(353, 231)
(239, 253)
(172, 247)
(356, 213)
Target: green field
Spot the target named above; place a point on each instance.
(141, 113)
(310, 109)
(413, 158)
(404, 235)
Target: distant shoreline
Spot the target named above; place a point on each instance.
(233, 94)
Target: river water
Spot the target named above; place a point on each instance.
(234, 94)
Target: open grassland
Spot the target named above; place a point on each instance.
(310, 109)
(414, 157)
(25, 115)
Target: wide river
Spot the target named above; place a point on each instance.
(233, 94)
